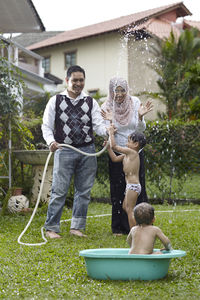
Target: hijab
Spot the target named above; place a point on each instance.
(122, 112)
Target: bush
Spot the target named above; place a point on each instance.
(172, 151)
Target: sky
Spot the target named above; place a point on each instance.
(70, 14)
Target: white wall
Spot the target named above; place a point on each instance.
(102, 57)
(109, 55)
(142, 77)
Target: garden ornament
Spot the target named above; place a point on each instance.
(17, 203)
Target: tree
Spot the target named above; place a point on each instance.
(12, 130)
(11, 93)
(176, 65)
(191, 96)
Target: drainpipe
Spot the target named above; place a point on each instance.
(10, 133)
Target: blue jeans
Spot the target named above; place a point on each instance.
(68, 162)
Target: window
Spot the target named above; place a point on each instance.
(70, 59)
(46, 64)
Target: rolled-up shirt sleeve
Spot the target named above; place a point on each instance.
(98, 123)
(49, 121)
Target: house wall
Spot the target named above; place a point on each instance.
(170, 16)
(106, 56)
(102, 57)
(142, 77)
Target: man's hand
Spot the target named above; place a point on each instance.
(54, 146)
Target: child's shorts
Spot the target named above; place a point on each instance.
(134, 187)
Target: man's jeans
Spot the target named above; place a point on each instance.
(68, 162)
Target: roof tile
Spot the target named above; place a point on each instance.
(111, 25)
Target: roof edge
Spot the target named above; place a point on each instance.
(122, 28)
(36, 15)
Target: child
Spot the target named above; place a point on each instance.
(142, 237)
(131, 166)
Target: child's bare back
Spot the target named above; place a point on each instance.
(142, 238)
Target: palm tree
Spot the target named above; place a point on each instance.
(175, 58)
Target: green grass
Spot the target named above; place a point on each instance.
(55, 270)
(190, 189)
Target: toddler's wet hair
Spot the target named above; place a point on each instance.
(143, 213)
(138, 137)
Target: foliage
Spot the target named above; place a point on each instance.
(172, 151)
(33, 110)
(35, 106)
(177, 66)
(5, 202)
(11, 125)
(102, 171)
(11, 91)
(191, 85)
(183, 190)
(34, 126)
(98, 96)
(56, 271)
(181, 193)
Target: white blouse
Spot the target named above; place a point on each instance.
(123, 131)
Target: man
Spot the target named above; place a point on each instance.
(70, 118)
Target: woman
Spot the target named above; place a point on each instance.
(127, 114)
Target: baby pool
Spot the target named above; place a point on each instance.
(117, 264)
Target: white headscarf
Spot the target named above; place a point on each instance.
(122, 112)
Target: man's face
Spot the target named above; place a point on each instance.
(75, 83)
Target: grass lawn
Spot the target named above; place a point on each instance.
(55, 270)
(189, 189)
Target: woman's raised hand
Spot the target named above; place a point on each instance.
(144, 109)
(107, 115)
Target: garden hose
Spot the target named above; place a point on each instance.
(40, 192)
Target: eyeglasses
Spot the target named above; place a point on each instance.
(119, 91)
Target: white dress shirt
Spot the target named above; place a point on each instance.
(50, 111)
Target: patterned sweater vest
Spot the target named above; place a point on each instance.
(73, 122)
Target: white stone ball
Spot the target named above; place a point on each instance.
(17, 203)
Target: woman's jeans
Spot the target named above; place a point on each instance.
(68, 162)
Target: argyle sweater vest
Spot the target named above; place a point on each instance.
(73, 122)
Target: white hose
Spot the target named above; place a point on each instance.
(40, 192)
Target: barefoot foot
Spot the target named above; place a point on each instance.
(77, 232)
(52, 235)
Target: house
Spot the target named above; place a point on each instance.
(118, 47)
(21, 16)
(189, 24)
(26, 39)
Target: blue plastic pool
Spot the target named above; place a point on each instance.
(117, 264)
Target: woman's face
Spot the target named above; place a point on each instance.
(119, 94)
